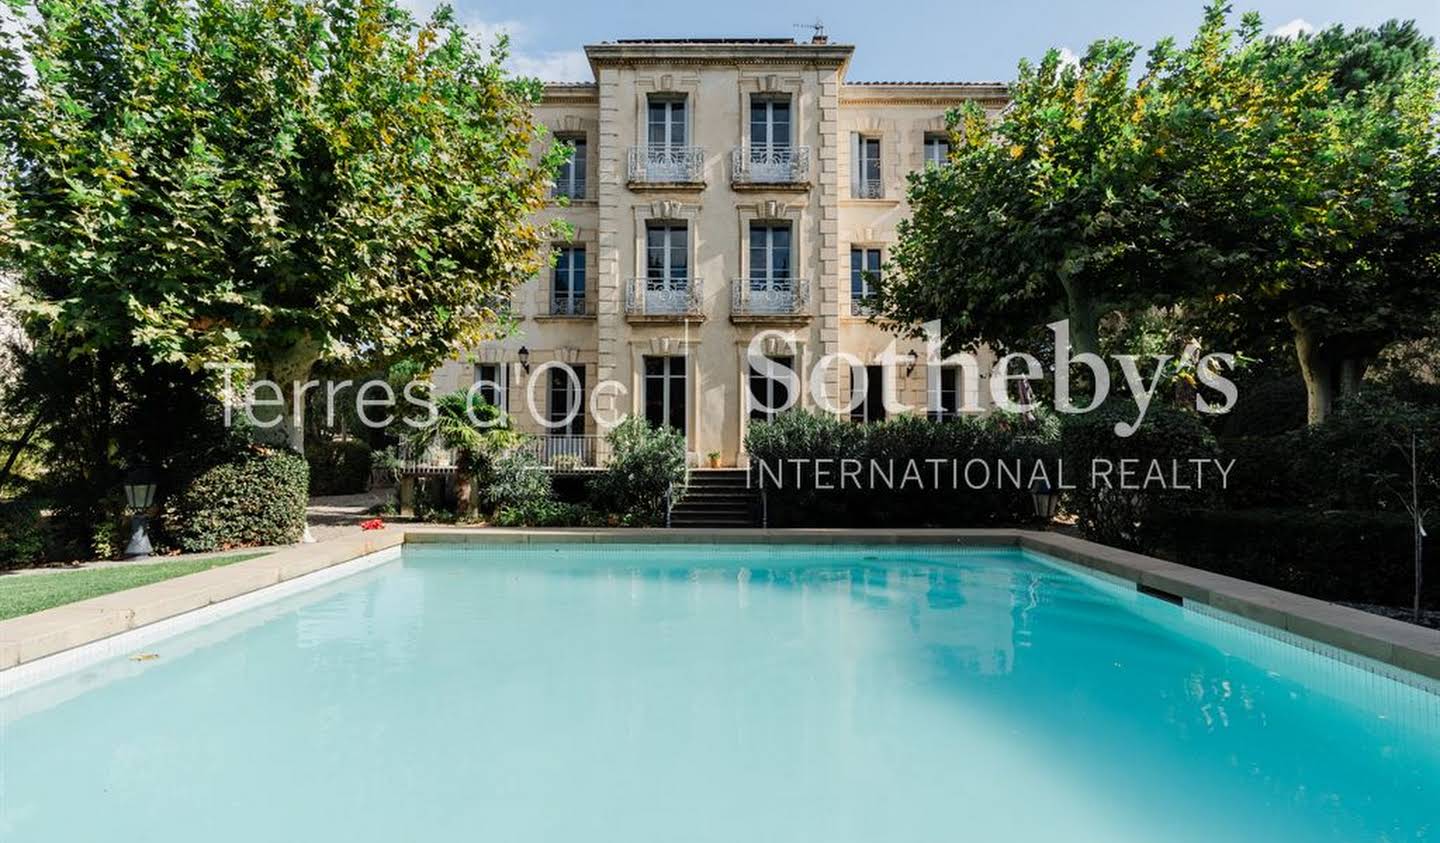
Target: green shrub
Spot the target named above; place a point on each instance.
(25, 532)
(338, 466)
(549, 513)
(515, 480)
(897, 442)
(645, 464)
(1266, 407)
(257, 497)
(1343, 555)
(1114, 515)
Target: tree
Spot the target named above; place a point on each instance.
(278, 183)
(1311, 165)
(473, 431)
(1050, 212)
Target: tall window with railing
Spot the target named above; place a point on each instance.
(937, 150)
(567, 401)
(864, 276)
(567, 289)
(770, 392)
(570, 181)
(865, 172)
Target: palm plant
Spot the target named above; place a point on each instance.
(470, 428)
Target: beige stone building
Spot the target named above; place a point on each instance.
(719, 191)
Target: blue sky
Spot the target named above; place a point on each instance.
(967, 41)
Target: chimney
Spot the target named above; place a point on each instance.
(820, 38)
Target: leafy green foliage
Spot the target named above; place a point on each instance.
(646, 464)
(256, 498)
(25, 532)
(941, 495)
(338, 467)
(1114, 512)
(266, 181)
(516, 481)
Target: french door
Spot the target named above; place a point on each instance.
(665, 392)
(770, 131)
(771, 286)
(666, 137)
(667, 267)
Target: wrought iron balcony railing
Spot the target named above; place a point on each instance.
(869, 190)
(862, 305)
(570, 304)
(663, 297)
(568, 190)
(751, 297)
(666, 164)
(770, 164)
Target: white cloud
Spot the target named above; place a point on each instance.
(1295, 27)
(1067, 56)
(562, 66)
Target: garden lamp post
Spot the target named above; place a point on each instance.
(139, 495)
(1046, 499)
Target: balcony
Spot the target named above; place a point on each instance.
(572, 190)
(769, 299)
(666, 166)
(663, 299)
(770, 166)
(569, 306)
(863, 305)
(564, 452)
(869, 189)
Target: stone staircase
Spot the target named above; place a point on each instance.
(717, 498)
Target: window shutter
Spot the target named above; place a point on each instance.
(857, 164)
(932, 388)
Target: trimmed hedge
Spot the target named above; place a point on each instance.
(338, 467)
(1359, 557)
(1118, 516)
(881, 501)
(256, 498)
(26, 534)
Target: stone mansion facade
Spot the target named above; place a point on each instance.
(719, 190)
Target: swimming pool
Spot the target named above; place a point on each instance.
(617, 692)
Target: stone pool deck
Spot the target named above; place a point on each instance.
(1389, 642)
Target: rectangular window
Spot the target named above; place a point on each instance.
(571, 179)
(567, 401)
(667, 254)
(567, 292)
(864, 275)
(865, 181)
(665, 126)
(769, 253)
(945, 405)
(494, 386)
(937, 150)
(665, 392)
(769, 396)
(867, 383)
(769, 124)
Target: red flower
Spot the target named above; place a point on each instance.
(372, 524)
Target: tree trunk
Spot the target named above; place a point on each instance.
(1084, 321)
(19, 446)
(1318, 373)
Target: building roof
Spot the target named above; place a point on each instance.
(702, 41)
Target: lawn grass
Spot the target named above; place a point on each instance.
(23, 594)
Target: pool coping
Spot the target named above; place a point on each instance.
(1411, 648)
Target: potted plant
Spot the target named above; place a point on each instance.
(714, 458)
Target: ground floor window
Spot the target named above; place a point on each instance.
(769, 394)
(665, 392)
(493, 385)
(867, 394)
(567, 401)
(945, 402)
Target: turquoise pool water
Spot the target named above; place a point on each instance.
(735, 694)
